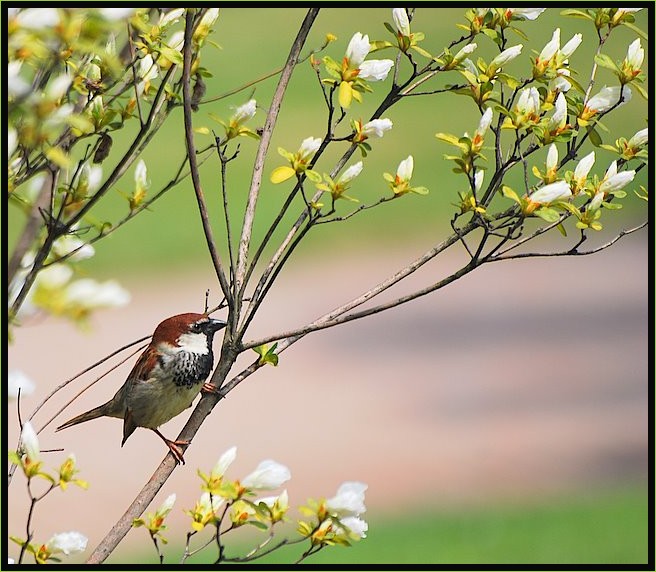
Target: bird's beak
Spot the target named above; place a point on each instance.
(216, 325)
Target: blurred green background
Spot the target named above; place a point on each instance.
(596, 525)
(250, 50)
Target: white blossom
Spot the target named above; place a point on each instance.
(485, 122)
(376, 127)
(464, 52)
(224, 462)
(570, 47)
(64, 245)
(350, 173)
(53, 276)
(551, 47)
(595, 203)
(552, 157)
(405, 168)
(349, 500)
(614, 181)
(635, 55)
(148, 70)
(171, 17)
(141, 176)
(357, 49)
(30, 442)
(209, 18)
(529, 101)
(583, 168)
(58, 87)
(355, 525)
(639, 139)
(478, 180)
(560, 83)
(67, 542)
(166, 507)
(88, 293)
(245, 112)
(400, 17)
(18, 380)
(506, 56)
(559, 116)
(309, 147)
(551, 192)
(267, 475)
(375, 70)
(526, 13)
(607, 97)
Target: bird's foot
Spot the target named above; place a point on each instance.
(174, 447)
(210, 388)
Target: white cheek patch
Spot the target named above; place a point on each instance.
(193, 343)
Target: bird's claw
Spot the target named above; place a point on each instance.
(176, 451)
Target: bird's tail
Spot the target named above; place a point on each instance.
(102, 410)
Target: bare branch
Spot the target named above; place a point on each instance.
(256, 181)
(191, 154)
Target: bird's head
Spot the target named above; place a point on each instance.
(192, 332)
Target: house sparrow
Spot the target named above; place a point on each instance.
(165, 380)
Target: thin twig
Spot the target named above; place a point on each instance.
(191, 154)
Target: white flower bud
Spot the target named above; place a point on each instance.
(350, 173)
(224, 462)
(405, 168)
(635, 55)
(639, 139)
(551, 47)
(309, 147)
(245, 112)
(400, 17)
(525, 13)
(552, 157)
(552, 192)
(614, 181)
(30, 442)
(506, 56)
(570, 47)
(557, 120)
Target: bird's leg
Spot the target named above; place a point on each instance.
(174, 446)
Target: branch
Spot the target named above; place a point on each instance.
(191, 154)
(256, 181)
(570, 251)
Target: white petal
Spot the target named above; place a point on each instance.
(267, 475)
(551, 47)
(405, 168)
(640, 138)
(485, 121)
(376, 127)
(552, 192)
(584, 166)
(570, 47)
(67, 542)
(552, 157)
(357, 49)
(245, 112)
(375, 70)
(400, 17)
(349, 500)
(167, 505)
(309, 147)
(30, 442)
(224, 462)
(526, 13)
(506, 56)
(352, 172)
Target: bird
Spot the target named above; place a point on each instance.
(166, 378)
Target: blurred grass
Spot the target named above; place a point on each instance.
(254, 43)
(586, 527)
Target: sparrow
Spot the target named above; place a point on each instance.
(166, 378)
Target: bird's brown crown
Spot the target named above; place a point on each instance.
(170, 329)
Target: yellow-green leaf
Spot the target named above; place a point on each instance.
(281, 174)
